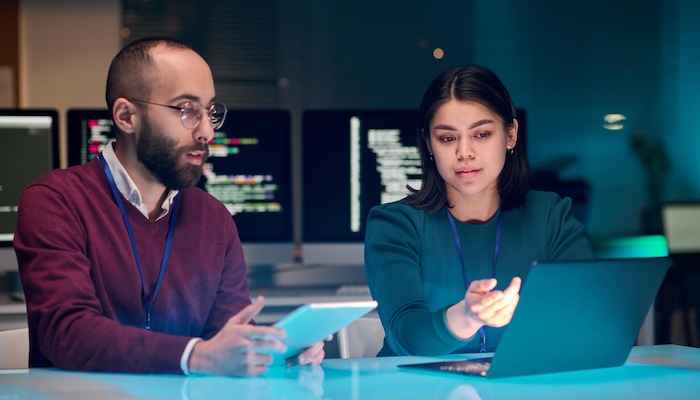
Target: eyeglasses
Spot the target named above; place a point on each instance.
(191, 113)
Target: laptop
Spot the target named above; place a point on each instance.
(572, 315)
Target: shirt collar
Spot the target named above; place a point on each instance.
(127, 187)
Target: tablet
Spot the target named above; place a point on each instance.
(314, 322)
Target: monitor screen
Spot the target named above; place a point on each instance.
(249, 166)
(249, 170)
(88, 131)
(353, 161)
(681, 226)
(28, 149)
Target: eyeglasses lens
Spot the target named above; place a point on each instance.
(192, 114)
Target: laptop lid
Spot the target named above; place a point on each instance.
(576, 315)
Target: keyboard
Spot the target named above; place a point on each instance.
(353, 290)
(476, 366)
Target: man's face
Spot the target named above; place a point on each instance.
(170, 151)
(167, 162)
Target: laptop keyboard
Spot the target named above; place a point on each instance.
(479, 366)
(474, 367)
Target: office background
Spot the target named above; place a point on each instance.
(568, 64)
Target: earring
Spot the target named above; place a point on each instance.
(510, 151)
(431, 158)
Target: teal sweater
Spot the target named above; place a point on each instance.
(415, 274)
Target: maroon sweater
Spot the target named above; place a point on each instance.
(82, 284)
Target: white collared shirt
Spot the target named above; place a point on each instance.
(128, 188)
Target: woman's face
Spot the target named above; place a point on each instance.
(469, 144)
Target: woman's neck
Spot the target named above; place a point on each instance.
(474, 209)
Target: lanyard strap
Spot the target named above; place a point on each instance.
(168, 243)
(496, 250)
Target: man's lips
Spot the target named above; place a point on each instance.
(198, 155)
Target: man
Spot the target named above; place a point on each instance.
(126, 266)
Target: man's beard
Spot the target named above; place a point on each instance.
(160, 155)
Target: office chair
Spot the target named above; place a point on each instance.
(14, 348)
(361, 339)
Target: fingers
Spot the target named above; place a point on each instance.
(240, 348)
(514, 287)
(251, 311)
(266, 346)
(496, 308)
(252, 364)
(482, 286)
(313, 355)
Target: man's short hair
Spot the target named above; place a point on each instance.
(133, 69)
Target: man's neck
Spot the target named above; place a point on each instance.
(153, 193)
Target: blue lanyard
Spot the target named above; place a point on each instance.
(168, 243)
(496, 249)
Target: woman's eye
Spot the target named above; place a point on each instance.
(482, 135)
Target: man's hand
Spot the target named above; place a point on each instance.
(240, 348)
(312, 356)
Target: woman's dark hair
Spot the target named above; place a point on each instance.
(470, 83)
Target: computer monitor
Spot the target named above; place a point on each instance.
(248, 170)
(28, 149)
(353, 160)
(681, 226)
(88, 131)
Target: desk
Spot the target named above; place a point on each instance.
(651, 372)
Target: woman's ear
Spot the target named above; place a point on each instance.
(123, 115)
(512, 134)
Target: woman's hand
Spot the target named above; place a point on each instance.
(483, 306)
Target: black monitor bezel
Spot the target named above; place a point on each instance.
(307, 120)
(286, 233)
(55, 139)
(74, 119)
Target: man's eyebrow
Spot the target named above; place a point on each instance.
(191, 97)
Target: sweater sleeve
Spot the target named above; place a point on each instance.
(66, 319)
(392, 264)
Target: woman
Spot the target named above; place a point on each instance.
(446, 262)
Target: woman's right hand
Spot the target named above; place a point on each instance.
(483, 306)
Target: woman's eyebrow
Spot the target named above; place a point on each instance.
(472, 126)
(480, 122)
(445, 127)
